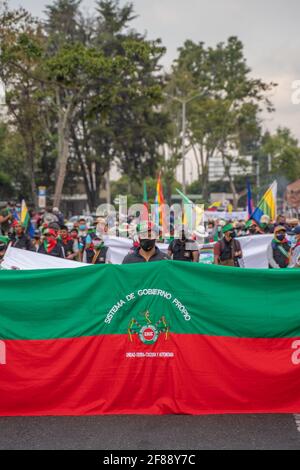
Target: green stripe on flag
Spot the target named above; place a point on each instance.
(194, 299)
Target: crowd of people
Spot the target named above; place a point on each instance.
(50, 234)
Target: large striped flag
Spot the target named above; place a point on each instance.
(25, 219)
(156, 338)
(267, 205)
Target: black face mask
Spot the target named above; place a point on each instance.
(147, 245)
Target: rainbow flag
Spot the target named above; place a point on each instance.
(267, 204)
(25, 219)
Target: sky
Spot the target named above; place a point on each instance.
(269, 30)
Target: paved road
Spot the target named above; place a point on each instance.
(151, 432)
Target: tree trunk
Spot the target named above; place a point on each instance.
(63, 156)
(197, 162)
(31, 157)
(84, 169)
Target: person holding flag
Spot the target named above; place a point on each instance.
(20, 239)
(25, 220)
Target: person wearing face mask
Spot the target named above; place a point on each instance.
(96, 252)
(279, 251)
(147, 250)
(295, 258)
(212, 232)
(228, 251)
(36, 242)
(50, 245)
(254, 229)
(19, 238)
(183, 249)
(82, 227)
(69, 244)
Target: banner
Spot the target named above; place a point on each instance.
(254, 254)
(17, 259)
(153, 338)
(235, 215)
(254, 250)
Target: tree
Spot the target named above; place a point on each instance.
(282, 151)
(227, 105)
(130, 129)
(21, 46)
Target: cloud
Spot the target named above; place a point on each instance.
(269, 30)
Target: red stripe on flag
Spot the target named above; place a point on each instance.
(191, 374)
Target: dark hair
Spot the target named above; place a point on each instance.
(64, 227)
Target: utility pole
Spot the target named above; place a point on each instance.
(269, 163)
(257, 179)
(108, 189)
(183, 144)
(183, 103)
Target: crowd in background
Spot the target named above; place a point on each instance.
(82, 238)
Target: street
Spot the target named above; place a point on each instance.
(172, 432)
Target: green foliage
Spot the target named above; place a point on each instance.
(284, 151)
(223, 103)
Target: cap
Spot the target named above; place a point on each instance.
(50, 231)
(296, 230)
(279, 228)
(227, 228)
